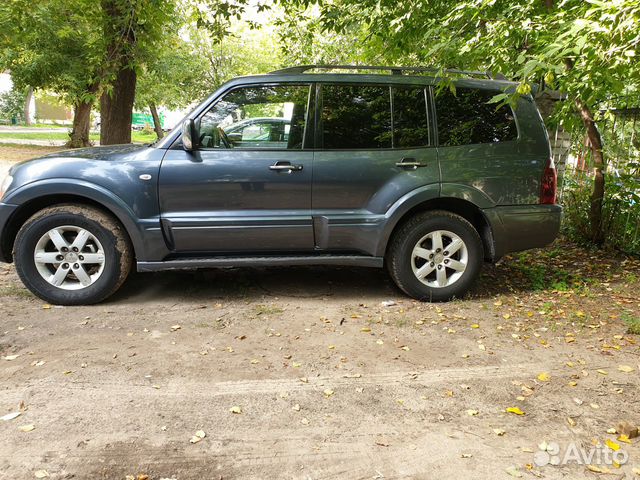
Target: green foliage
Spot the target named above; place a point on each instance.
(621, 210)
(633, 323)
(586, 49)
(51, 44)
(542, 274)
(12, 105)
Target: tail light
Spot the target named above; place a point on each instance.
(549, 184)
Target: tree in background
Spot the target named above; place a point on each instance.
(134, 33)
(585, 48)
(173, 79)
(55, 45)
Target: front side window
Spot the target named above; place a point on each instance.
(264, 117)
(356, 117)
(466, 118)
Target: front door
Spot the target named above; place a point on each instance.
(247, 188)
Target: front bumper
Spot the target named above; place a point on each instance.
(6, 211)
(517, 228)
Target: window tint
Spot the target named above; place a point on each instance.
(356, 116)
(410, 124)
(466, 118)
(257, 117)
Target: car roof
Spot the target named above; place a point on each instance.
(485, 83)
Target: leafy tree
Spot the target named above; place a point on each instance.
(585, 48)
(54, 44)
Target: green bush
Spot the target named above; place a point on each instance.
(621, 209)
(12, 106)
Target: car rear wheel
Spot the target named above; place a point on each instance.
(72, 255)
(435, 256)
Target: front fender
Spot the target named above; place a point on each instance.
(53, 187)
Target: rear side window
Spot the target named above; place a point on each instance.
(466, 118)
(360, 117)
(356, 116)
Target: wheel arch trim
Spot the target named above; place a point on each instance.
(430, 198)
(26, 195)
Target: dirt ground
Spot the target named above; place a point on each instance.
(321, 373)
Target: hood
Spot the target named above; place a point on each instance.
(107, 152)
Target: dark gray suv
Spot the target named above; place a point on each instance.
(295, 168)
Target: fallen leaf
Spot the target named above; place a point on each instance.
(328, 392)
(571, 421)
(602, 372)
(624, 438)
(625, 368)
(10, 416)
(514, 472)
(475, 325)
(235, 409)
(612, 445)
(472, 412)
(10, 357)
(27, 428)
(175, 327)
(515, 410)
(499, 432)
(199, 435)
(41, 474)
(597, 469)
(544, 377)
(379, 342)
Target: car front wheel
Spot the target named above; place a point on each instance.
(435, 256)
(72, 255)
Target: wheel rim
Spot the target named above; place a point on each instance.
(69, 257)
(439, 259)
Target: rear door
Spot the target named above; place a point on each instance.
(374, 147)
(243, 193)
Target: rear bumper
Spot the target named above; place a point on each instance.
(6, 211)
(517, 228)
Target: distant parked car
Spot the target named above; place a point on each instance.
(295, 168)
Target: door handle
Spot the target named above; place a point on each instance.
(410, 163)
(285, 167)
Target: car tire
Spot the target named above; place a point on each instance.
(420, 263)
(72, 255)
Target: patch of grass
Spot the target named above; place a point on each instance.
(545, 277)
(136, 136)
(633, 323)
(15, 291)
(267, 310)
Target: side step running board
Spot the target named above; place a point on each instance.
(212, 262)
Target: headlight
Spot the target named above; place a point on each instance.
(6, 183)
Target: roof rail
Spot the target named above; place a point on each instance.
(393, 70)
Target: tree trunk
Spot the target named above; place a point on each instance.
(597, 195)
(79, 136)
(27, 106)
(116, 103)
(157, 125)
(116, 107)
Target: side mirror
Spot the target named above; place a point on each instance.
(190, 135)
